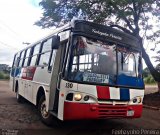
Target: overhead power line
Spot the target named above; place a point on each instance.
(11, 47)
(11, 30)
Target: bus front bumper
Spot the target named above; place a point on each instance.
(77, 111)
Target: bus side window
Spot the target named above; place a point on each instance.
(45, 53)
(35, 53)
(14, 61)
(13, 65)
(27, 57)
(21, 59)
(52, 59)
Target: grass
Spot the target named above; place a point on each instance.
(149, 80)
(4, 76)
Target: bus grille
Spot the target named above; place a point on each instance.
(110, 111)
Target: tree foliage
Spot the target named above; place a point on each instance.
(148, 79)
(4, 75)
(128, 15)
(157, 59)
(136, 17)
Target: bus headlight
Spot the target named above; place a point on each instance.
(139, 99)
(77, 96)
(136, 100)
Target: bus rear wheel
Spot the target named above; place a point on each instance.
(19, 97)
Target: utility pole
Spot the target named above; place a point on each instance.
(26, 43)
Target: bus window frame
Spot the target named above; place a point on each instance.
(24, 58)
(13, 64)
(27, 56)
(21, 58)
(16, 62)
(37, 54)
(50, 64)
(41, 53)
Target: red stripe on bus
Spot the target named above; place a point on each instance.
(28, 73)
(103, 92)
(75, 111)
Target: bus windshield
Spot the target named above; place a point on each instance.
(128, 62)
(92, 61)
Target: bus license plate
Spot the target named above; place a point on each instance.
(130, 113)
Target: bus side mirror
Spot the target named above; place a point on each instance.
(55, 42)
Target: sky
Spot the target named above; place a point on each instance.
(17, 18)
(16, 26)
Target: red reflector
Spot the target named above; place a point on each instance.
(130, 108)
(93, 108)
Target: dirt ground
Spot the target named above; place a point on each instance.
(152, 96)
(24, 114)
(150, 89)
(152, 99)
(22, 119)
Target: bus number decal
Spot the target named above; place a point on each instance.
(69, 85)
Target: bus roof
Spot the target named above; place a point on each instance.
(99, 31)
(106, 33)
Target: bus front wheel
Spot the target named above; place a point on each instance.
(45, 116)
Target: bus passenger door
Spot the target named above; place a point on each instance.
(56, 69)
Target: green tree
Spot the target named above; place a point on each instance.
(131, 16)
(146, 72)
(1, 75)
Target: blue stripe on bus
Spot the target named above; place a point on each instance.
(130, 81)
(124, 94)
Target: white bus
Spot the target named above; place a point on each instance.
(82, 70)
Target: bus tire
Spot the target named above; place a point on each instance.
(46, 117)
(19, 97)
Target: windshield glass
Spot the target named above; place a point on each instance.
(127, 62)
(92, 61)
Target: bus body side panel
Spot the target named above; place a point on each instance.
(35, 87)
(41, 78)
(29, 86)
(42, 75)
(21, 87)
